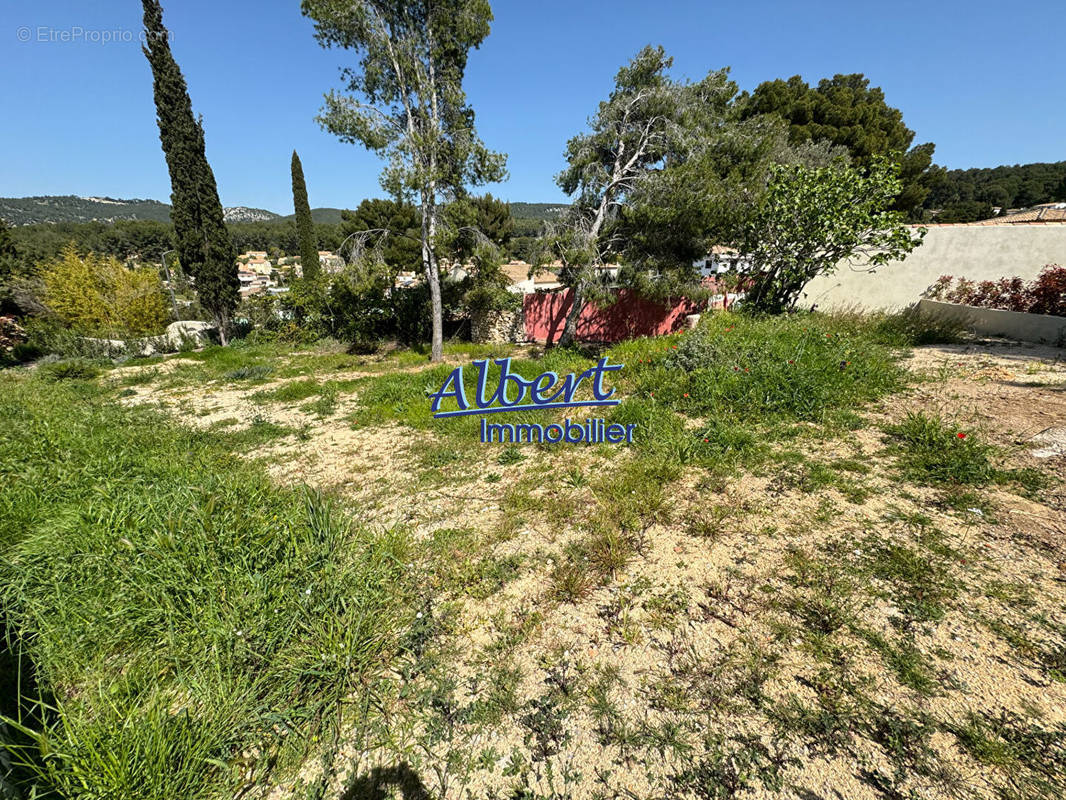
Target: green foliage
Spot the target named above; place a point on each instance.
(190, 625)
(791, 368)
(811, 219)
(964, 195)
(408, 105)
(913, 328)
(844, 110)
(646, 179)
(72, 370)
(204, 247)
(98, 295)
(305, 228)
(393, 228)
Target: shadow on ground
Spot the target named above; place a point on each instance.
(375, 784)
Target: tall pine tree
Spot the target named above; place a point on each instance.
(305, 227)
(203, 243)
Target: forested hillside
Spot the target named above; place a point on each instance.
(964, 195)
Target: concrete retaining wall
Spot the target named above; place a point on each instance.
(977, 252)
(1038, 328)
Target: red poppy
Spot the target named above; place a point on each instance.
(706, 440)
(686, 394)
(790, 361)
(961, 435)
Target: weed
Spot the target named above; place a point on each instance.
(75, 369)
(255, 372)
(510, 455)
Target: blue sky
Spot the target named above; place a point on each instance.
(983, 80)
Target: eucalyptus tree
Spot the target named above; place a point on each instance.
(405, 101)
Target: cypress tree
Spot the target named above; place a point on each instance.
(203, 243)
(305, 226)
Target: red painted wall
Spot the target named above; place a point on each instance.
(628, 317)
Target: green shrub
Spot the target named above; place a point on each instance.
(797, 367)
(73, 370)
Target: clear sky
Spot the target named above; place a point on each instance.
(983, 80)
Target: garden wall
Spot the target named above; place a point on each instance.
(629, 316)
(977, 252)
(1039, 328)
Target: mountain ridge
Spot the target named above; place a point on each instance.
(49, 209)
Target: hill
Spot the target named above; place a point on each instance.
(71, 208)
(537, 211)
(326, 216)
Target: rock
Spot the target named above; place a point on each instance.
(187, 332)
(1050, 442)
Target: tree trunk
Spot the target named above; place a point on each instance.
(570, 329)
(432, 268)
(222, 323)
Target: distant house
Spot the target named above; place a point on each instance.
(252, 282)
(260, 266)
(331, 262)
(722, 259)
(517, 273)
(1046, 212)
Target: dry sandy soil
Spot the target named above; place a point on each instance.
(769, 635)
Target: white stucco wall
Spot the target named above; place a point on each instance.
(978, 252)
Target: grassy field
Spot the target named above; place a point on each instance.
(824, 568)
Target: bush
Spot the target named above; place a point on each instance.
(1045, 295)
(72, 370)
(797, 367)
(98, 295)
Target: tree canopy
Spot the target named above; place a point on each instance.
(811, 219)
(845, 110)
(305, 228)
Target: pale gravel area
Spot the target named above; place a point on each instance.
(1014, 394)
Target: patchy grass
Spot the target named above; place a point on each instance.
(758, 597)
(178, 611)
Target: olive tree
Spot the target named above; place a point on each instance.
(405, 101)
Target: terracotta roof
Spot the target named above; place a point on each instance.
(516, 271)
(1047, 212)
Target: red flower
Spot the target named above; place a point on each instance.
(652, 394)
(686, 394)
(961, 435)
(675, 346)
(706, 440)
